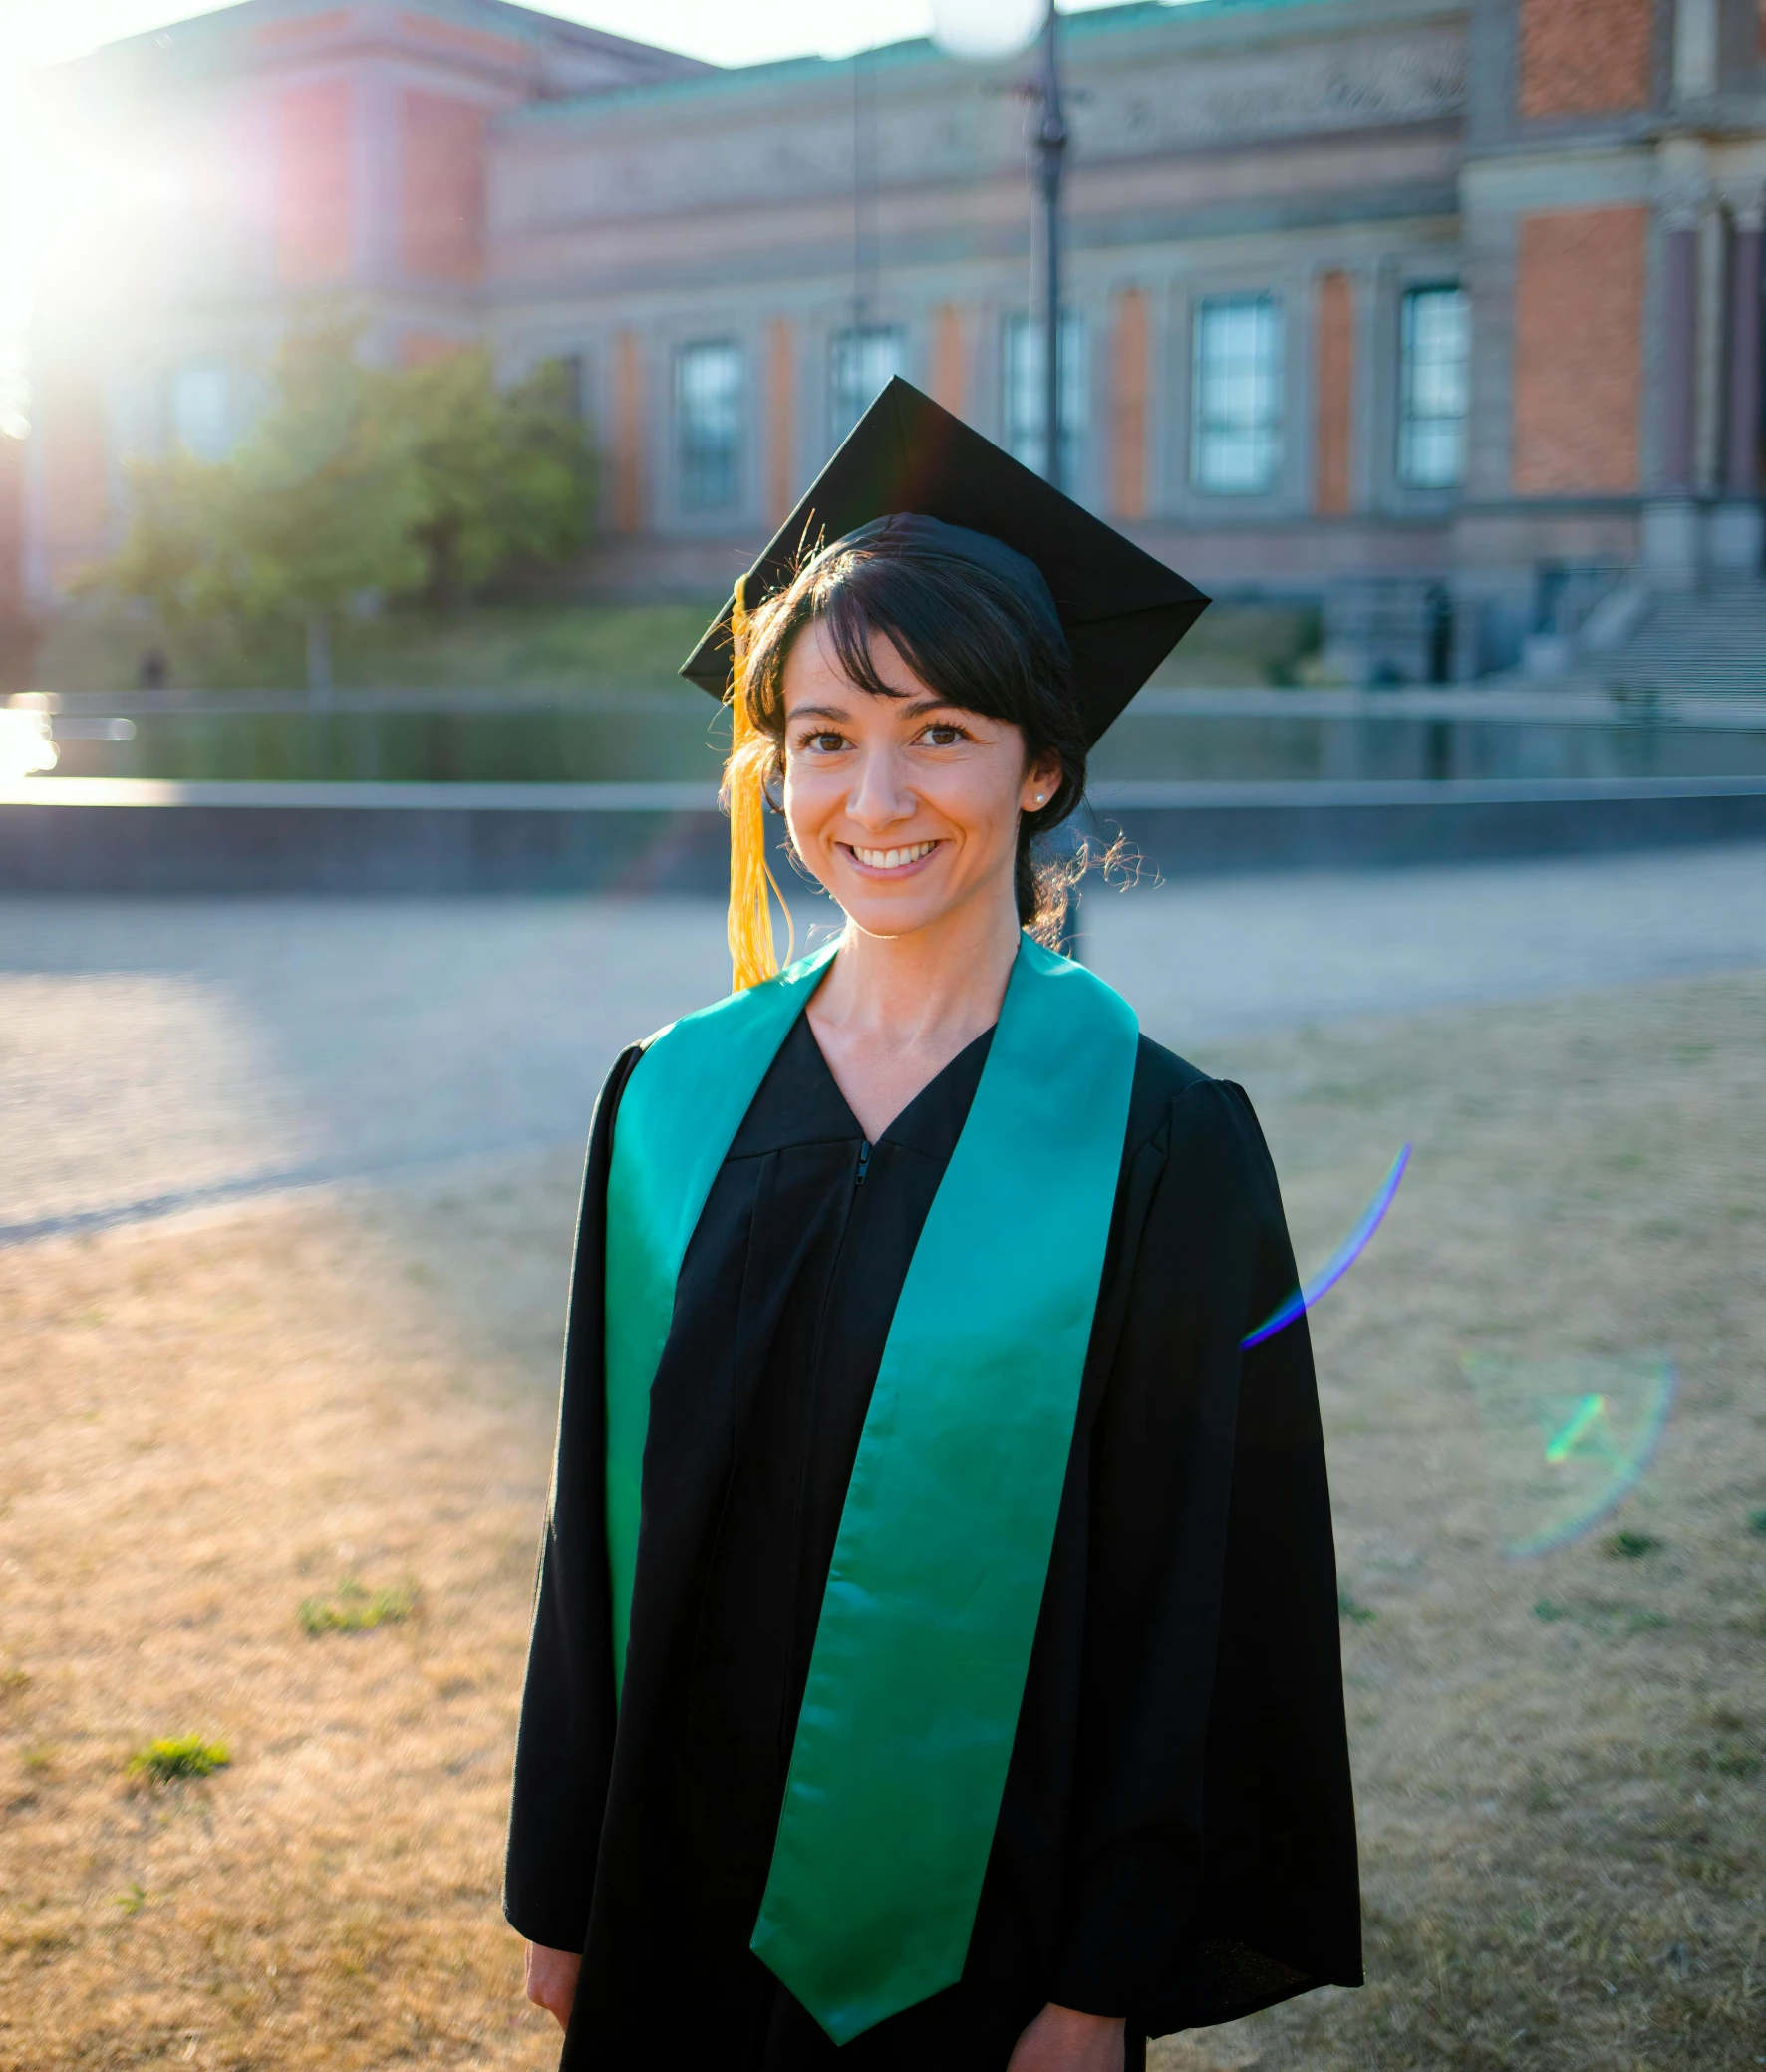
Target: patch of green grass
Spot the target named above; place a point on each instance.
(1602, 1618)
(132, 1901)
(174, 1761)
(488, 648)
(1251, 645)
(1757, 1522)
(355, 1609)
(1633, 1546)
(1347, 1607)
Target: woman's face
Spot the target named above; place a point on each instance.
(907, 807)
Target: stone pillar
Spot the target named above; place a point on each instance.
(1736, 525)
(1679, 348)
(1672, 543)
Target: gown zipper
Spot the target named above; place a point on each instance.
(864, 1162)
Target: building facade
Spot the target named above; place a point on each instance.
(1449, 308)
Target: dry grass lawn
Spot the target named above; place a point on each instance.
(205, 1423)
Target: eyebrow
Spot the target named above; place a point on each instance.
(913, 712)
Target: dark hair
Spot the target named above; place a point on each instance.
(970, 636)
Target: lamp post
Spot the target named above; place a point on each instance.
(1050, 147)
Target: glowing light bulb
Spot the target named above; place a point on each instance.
(985, 30)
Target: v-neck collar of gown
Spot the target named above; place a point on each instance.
(800, 1103)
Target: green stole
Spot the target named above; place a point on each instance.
(936, 1585)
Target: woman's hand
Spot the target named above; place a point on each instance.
(1060, 2040)
(551, 1981)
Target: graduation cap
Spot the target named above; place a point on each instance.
(1122, 612)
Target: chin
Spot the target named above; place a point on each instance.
(885, 910)
(885, 916)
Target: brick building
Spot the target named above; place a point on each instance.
(1443, 309)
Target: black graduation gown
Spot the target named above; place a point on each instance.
(1176, 1841)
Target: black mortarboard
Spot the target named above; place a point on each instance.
(1123, 611)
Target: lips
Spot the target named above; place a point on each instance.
(892, 859)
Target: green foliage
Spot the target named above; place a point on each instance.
(508, 649)
(504, 477)
(356, 481)
(321, 502)
(355, 1609)
(132, 1901)
(1631, 1546)
(1757, 1522)
(170, 1762)
(1347, 1607)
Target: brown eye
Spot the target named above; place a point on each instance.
(944, 736)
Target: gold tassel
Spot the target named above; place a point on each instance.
(753, 954)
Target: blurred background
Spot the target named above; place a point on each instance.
(390, 391)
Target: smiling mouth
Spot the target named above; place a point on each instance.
(892, 859)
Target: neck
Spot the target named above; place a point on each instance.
(937, 988)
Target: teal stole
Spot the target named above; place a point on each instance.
(933, 1595)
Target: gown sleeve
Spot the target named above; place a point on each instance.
(564, 1746)
(1213, 1868)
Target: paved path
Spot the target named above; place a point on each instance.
(152, 1052)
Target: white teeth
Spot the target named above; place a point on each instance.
(893, 859)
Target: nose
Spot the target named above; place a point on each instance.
(880, 797)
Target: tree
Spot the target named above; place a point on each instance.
(322, 502)
(428, 481)
(506, 476)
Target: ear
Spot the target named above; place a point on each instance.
(1041, 782)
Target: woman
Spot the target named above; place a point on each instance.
(935, 1654)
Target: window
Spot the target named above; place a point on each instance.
(1237, 445)
(862, 361)
(708, 424)
(573, 383)
(1025, 405)
(201, 409)
(1434, 353)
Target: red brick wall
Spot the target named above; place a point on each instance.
(1128, 441)
(1579, 351)
(1335, 377)
(948, 385)
(313, 182)
(1584, 56)
(441, 221)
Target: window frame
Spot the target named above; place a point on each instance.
(700, 507)
(1273, 427)
(1410, 294)
(213, 369)
(1025, 444)
(839, 422)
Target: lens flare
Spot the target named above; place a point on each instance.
(1567, 1439)
(26, 744)
(1339, 1261)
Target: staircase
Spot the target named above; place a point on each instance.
(1676, 643)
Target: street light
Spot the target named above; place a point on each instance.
(988, 31)
(1052, 146)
